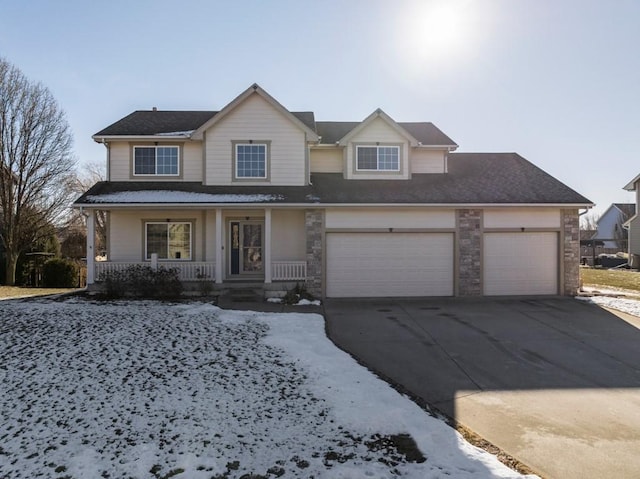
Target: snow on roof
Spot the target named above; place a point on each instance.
(157, 196)
(176, 133)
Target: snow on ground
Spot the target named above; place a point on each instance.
(157, 390)
(626, 305)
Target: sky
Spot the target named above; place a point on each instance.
(555, 81)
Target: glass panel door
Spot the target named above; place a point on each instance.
(251, 256)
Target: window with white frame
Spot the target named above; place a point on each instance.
(251, 160)
(156, 160)
(377, 158)
(169, 240)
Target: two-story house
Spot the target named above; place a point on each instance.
(374, 208)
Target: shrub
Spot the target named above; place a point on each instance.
(59, 273)
(143, 282)
(296, 294)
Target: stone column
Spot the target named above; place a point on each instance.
(570, 251)
(314, 227)
(468, 225)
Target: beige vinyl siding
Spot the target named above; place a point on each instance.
(288, 237)
(126, 232)
(327, 160)
(522, 218)
(192, 161)
(634, 235)
(119, 161)
(406, 218)
(378, 131)
(255, 119)
(427, 161)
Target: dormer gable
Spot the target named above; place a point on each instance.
(255, 89)
(367, 122)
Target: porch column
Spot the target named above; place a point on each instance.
(219, 245)
(91, 241)
(267, 245)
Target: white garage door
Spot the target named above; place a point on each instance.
(520, 263)
(389, 264)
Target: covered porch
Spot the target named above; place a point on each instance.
(218, 244)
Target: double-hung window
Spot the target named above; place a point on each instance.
(251, 160)
(378, 158)
(156, 160)
(169, 240)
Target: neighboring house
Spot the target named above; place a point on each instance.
(610, 228)
(373, 208)
(633, 225)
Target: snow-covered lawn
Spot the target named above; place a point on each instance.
(156, 390)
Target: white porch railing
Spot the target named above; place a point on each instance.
(189, 270)
(288, 270)
(194, 270)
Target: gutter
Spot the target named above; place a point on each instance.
(102, 206)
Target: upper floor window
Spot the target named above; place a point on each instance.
(156, 160)
(251, 160)
(378, 158)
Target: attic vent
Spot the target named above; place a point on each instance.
(155, 108)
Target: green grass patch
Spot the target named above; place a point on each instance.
(611, 278)
(18, 292)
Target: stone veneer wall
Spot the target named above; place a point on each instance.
(571, 251)
(314, 226)
(469, 227)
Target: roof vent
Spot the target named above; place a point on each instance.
(155, 108)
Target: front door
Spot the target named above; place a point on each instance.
(246, 245)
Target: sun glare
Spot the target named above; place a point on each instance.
(435, 31)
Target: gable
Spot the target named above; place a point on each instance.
(301, 120)
(256, 121)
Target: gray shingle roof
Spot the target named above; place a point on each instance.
(628, 209)
(150, 122)
(473, 178)
(425, 132)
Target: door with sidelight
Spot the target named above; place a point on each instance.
(246, 244)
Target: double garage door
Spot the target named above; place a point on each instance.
(389, 264)
(422, 264)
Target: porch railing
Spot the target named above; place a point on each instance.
(194, 270)
(288, 270)
(189, 270)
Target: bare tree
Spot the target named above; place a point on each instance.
(90, 174)
(589, 222)
(36, 163)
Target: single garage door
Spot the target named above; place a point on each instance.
(520, 263)
(389, 264)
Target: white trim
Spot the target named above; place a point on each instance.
(377, 147)
(146, 242)
(155, 147)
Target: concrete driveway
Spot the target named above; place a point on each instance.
(554, 382)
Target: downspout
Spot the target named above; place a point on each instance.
(108, 169)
